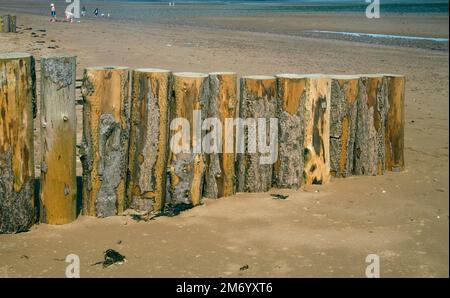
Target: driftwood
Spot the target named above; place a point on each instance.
(395, 123)
(104, 149)
(288, 170)
(258, 99)
(370, 126)
(220, 164)
(186, 166)
(17, 97)
(317, 126)
(58, 140)
(150, 101)
(343, 114)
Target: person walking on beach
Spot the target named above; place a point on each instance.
(96, 12)
(52, 12)
(83, 11)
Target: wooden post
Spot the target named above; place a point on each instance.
(150, 101)
(186, 165)
(12, 24)
(395, 123)
(370, 126)
(344, 101)
(317, 130)
(288, 170)
(5, 23)
(223, 104)
(258, 100)
(58, 140)
(104, 149)
(17, 93)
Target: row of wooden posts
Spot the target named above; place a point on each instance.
(8, 24)
(328, 126)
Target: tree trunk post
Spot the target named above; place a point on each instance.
(343, 113)
(150, 102)
(5, 23)
(317, 130)
(258, 108)
(58, 190)
(395, 123)
(104, 149)
(223, 104)
(370, 126)
(288, 170)
(186, 164)
(12, 24)
(17, 95)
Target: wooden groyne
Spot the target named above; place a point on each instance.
(157, 142)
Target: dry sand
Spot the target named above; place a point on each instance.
(319, 231)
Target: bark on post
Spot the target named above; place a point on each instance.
(186, 164)
(258, 100)
(12, 24)
(395, 123)
(223, 104)
(344, 101)
(17, 95)
(317, 130)
(370, 126)
(4, 23)
(150, 101)
(288, 170)
(58, 140)
(104, 150)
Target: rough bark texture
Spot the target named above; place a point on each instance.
(58, 140)
(395, 123)
(17, 93)
(150, 101)
(220, 170)
(288, 170)
(317, 130)
(258, 99)
(344, 101)
(186, 169)
(370, 126)
(104, 149)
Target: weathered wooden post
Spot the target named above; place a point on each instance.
(370, 126)
(344, 101)
(220, 164)
(150, 102)
(395, 123)
(317, 130)
(186, 164)
(104, 150)
(17, 95)
(12, 24)
(5, 23)
(288, 170)
(258, 108)
(58, 140)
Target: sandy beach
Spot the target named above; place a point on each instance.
(319, 230)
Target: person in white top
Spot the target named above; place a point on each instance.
(52, 12)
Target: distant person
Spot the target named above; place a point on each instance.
(83, 11)
(69, 16)
(52, 12)
(96, 12)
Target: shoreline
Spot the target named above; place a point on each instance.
(321, 26)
